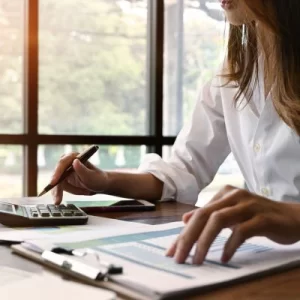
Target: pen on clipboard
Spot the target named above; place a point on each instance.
(83, 157)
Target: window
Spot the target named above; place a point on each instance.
(11, 66)
(193, 51)
(92, 67)
(194, 48)
(75, 73)
(11, 95)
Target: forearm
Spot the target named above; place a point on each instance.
(135, 186)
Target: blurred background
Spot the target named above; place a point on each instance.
(93, 80)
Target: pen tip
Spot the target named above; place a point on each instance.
(42, 193)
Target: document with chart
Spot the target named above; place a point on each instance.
(141, 252)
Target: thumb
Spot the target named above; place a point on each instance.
(92, 179)
(84, 173)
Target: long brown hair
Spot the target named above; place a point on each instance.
(282, 19)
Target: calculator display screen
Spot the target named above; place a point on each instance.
(6, 207)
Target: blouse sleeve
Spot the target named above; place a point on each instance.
(199, 150)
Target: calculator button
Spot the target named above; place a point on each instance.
(41, 207)
(45, 213)
(78, 213)
(34, 215)
(56, 213)
(62, 206)
(67, 213)
(71, 206)
(51, 207)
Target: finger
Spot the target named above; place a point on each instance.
(74, 189)
(194, 227)
(219, 220)
(171, 251)
(242, 232)
(89, 178)
(225, 191)
(75, 181)
(62, 165)
(186, 217)
(90, 166)
(57, 194)
(82, 170)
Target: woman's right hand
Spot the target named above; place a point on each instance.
(85, 180)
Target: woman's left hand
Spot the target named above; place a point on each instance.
(246, 214)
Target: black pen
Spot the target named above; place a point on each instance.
(83, 157)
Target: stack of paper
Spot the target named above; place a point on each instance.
(146, 269)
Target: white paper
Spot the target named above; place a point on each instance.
(10, 276)
(95, 227)
(17, 285)
(141, 253)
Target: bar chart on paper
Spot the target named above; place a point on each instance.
(147, 249)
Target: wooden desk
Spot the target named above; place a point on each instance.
(164, 213)
(284, 285)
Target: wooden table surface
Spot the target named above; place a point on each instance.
(285, 285)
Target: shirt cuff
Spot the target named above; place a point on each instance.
(178, 185)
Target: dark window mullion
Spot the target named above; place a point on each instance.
(31, 97)
(21, 139)
(155, 70)
(101, 140)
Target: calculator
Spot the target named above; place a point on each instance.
(41, 215)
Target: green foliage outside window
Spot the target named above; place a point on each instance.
(92, 69)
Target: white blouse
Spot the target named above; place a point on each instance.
(266, 149)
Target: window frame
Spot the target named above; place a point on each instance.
(31, 139)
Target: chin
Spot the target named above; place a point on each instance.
(235, 23)
(234, 20)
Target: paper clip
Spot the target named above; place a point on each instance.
(81, 268)
(112, 269)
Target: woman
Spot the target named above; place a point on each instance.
(251, 108)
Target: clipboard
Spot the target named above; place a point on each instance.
(77, 270)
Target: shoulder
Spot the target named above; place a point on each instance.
(218, 83)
